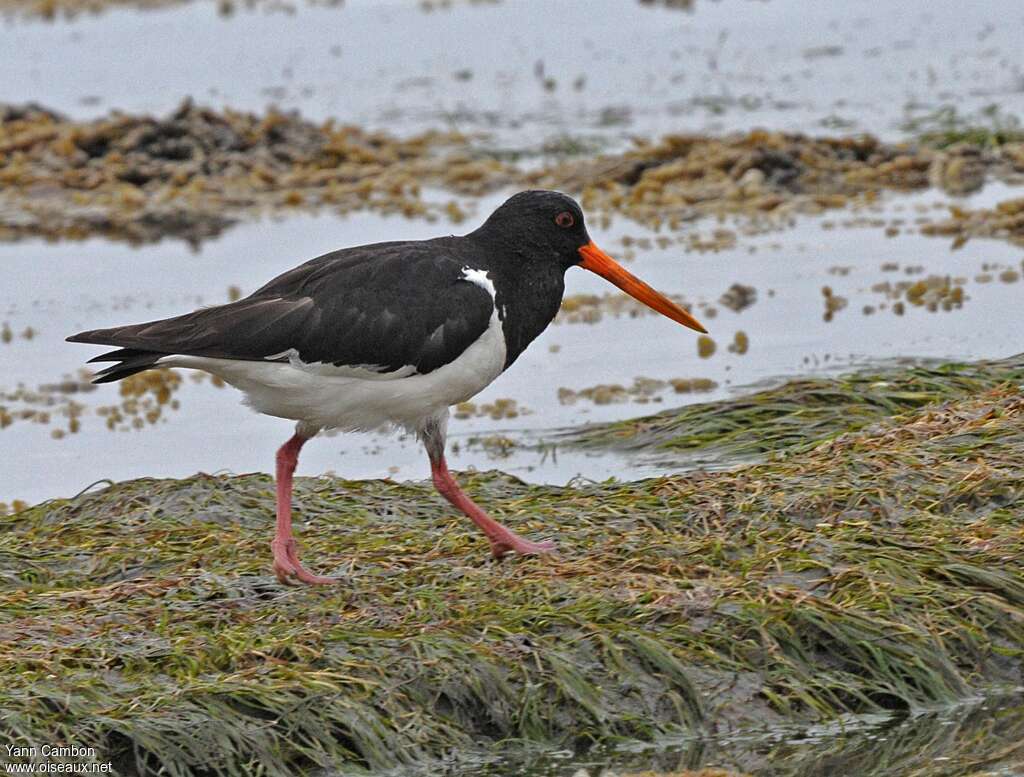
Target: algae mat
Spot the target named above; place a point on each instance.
(195, 172)
(880, 570)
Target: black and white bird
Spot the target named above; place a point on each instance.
(386, 335)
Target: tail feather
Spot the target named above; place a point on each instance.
(119, 355)
(126, 365)
(129, 361)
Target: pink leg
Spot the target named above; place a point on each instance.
(503, 540)
(286, 553)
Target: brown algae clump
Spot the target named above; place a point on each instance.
(592, 308)
(692, 385)
(705, 347)
(1005, 221)
(740, 343)
(668, 182)
(738, 297)
(47, 404)
(143, 399)
(194, 172)
(642, 390)
(833, 303)
(497, 410)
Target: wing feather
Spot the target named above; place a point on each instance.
(392, 305)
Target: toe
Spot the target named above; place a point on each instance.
(310, 579)
(284, 573)
(521, 547)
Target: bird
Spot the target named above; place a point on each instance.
(387, 335)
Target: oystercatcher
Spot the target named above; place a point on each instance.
(390, 334)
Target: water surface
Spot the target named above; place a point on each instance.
(530, 72)
(57, 289)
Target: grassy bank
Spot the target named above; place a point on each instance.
(795, 416)
(878, 570)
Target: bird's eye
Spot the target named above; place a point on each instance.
(565, 219)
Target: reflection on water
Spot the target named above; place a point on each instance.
(982, 738)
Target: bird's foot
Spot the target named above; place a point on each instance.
(287, 567)
(521, 547)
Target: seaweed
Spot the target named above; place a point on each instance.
(794, 416)
(877, 570)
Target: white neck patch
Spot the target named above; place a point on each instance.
(483, 280)
(480, 278)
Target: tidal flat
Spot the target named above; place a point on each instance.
(871, 571)
(789, 548)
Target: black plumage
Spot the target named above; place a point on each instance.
(383, 306)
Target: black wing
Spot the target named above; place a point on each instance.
(384, 307)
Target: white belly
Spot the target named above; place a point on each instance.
(356, 399)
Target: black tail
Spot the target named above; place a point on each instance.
(129, 361)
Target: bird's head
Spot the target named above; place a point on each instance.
(549, 225)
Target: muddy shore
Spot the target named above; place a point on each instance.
(876, 569)
(193, 173)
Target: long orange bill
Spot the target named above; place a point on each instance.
(597, 261)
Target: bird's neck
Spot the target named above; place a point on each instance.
(528, 296)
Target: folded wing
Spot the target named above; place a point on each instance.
(388, 308)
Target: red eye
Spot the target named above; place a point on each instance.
(565, 219)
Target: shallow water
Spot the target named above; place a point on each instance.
(645, 70)
(58, 289)
(527, 72)
(983, 738)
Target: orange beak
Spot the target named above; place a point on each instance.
(597, 261)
